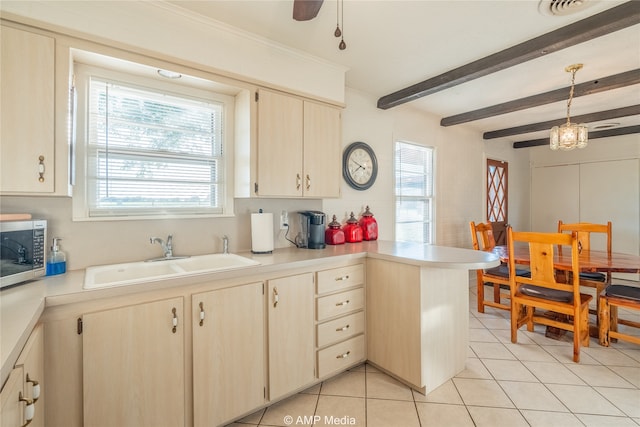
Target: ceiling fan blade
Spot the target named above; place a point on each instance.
(305, 10)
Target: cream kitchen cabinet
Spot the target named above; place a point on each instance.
(133, 365)
(298, 149)
(228, 353)
(291, 335)
(27, 120)
(340, 317)
(22, 397)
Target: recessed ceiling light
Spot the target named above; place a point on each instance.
(169, 74)
(606, 126)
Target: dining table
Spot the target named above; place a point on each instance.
(591, 261)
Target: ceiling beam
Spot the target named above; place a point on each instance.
(614, 19)
(592, 135)
(585, 118)
(616, 81)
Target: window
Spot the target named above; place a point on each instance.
(414, 193)
(150, 148)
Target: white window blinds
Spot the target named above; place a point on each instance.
(414, 193)
(152, 153)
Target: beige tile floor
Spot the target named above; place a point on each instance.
(531, 383)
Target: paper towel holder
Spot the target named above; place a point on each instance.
(262, 234)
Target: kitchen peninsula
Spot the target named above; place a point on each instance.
(412, 298)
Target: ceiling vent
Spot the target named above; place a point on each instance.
(563, 7)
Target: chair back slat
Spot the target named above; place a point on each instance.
(485, 231)
(584, 230)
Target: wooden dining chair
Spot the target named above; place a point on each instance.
(542, 290)
(583, 230)
(613, 297)
(498, 277)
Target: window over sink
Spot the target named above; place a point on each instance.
(149, 146)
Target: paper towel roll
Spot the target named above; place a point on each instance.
(261, 233)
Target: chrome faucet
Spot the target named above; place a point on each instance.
(166, 247)
(225, 244)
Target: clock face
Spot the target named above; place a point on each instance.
(360, 166)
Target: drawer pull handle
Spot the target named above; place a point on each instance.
(29, 409)
(35, 392)
(344, 328)
(339, 304)
(174, 321)
(276, 298)
(298, 181)
(201, 314)
(308, 182)
(338, 279)
(343, 356)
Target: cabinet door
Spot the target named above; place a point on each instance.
(322, 150)
(32, 362)
(27, 105)
(228, 353)
(11, 409)
(133, 365)
(280, 136)
(291, 334)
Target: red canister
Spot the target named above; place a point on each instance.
(352, 230)
(369, 225)
(334, 235)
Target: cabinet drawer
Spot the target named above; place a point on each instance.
(340, 356)
(340, 329)
(337, 304)
(340, 278)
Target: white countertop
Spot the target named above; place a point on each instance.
(21, 306)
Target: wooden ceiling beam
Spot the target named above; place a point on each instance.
(598, 25)
(585, 118)
(603, 84)
(592, 135)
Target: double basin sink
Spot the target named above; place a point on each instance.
(148, 271)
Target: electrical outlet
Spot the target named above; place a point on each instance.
(284, 220)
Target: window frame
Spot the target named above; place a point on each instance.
(142, 76)
(432, 223)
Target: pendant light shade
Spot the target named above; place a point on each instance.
(569, 135)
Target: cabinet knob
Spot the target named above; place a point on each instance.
(174, 321)
(41, 168)
(29, 409)
(201, 314)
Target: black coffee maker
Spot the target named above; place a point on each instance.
(312, 226)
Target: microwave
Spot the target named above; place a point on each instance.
(22, 251)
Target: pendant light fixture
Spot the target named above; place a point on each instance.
(569, 135)
(340, 23)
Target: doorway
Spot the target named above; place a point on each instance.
(497, 199)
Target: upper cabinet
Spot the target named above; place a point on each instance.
(34, 82)
(298, 147)
(27, 121)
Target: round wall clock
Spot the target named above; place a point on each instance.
(359, 166)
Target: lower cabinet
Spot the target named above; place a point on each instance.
(291, 334)
(22, 398)
(228, 353)
(133, 365)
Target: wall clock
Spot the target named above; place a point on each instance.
(359, 166)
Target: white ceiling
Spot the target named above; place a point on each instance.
(392, 44)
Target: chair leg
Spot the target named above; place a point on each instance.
(529, 314)
(496, 293)
(599, 288)
(515, 317)
(480, 295)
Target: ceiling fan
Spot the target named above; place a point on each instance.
(305, 10)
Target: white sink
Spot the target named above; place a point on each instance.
(143, 271)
